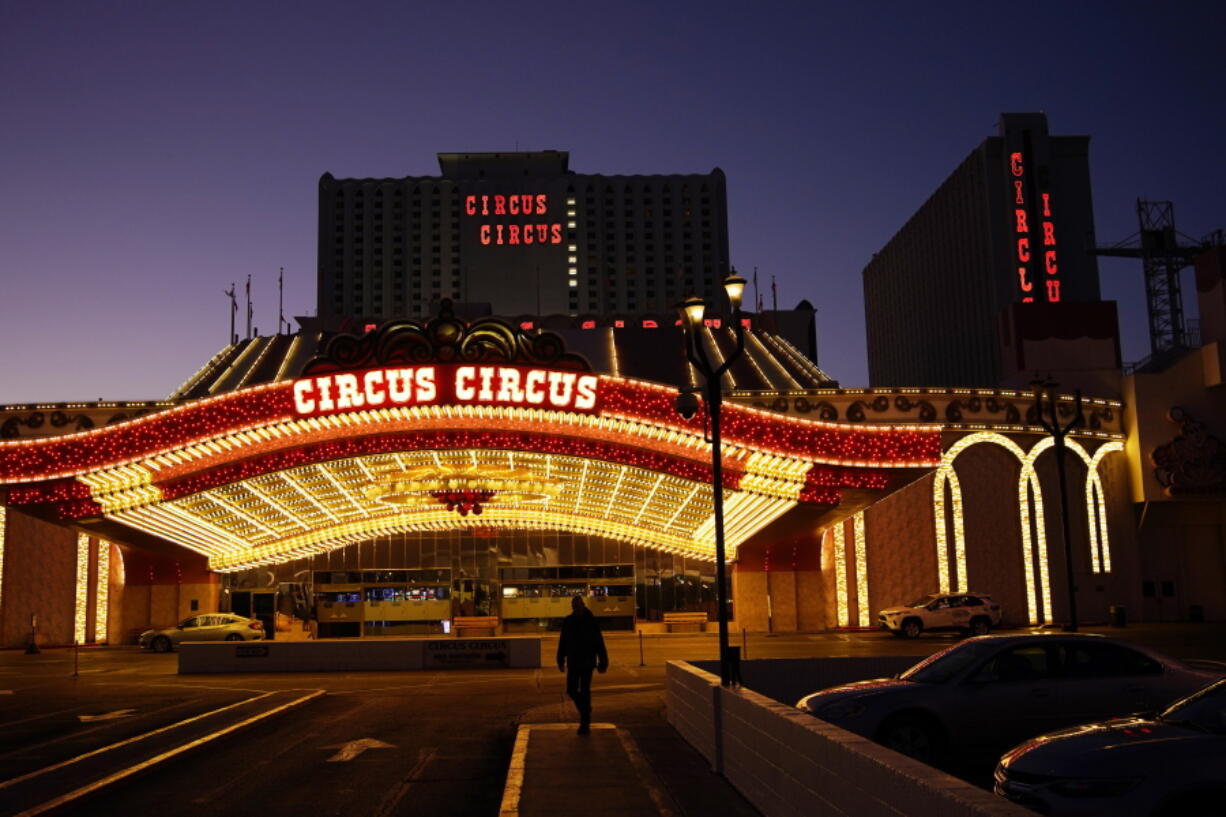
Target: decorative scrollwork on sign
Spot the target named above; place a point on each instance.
(827, 412)
(11, 427)
(855, 412)
(802, 405)
(445, 339)
(880, 403)
(120, 416)
(953, 411)
(1192, 463)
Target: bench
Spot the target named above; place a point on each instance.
(474, 625)
(685, 622)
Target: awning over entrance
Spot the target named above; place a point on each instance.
(461, 439)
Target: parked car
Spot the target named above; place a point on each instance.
(974, 613)
(208, 627)
(1173, 763)
(985, 694)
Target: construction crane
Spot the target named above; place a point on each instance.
(1165, 253)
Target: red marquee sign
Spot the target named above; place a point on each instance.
(446, 385)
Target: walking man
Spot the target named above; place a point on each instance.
(581, 650)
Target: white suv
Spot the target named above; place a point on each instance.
(974, 613)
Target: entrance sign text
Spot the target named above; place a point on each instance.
(450, 384)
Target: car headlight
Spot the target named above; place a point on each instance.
(1094, 787)
(840, 710)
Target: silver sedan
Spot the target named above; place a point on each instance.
(207, 627)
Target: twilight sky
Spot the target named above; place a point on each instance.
(152, 153)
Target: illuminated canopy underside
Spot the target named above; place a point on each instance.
(314, 508)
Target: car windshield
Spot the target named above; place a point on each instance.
(923, 602)
(1204, 710)
(940, 667)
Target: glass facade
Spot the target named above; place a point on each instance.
(414, 582)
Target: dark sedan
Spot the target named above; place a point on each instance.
(1173, 763)
(981, 696)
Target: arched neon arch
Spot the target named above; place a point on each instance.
(1030, 507)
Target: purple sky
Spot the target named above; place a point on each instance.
(153, 153)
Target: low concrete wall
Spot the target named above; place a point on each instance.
(788, 763)
(359, 655)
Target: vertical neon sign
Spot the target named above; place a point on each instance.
(1025, 253)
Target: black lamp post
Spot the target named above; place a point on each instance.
(1058, 433)
(692, 310)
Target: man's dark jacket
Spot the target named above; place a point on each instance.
(581, 643)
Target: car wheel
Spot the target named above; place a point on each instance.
(161, 644)
(912, 628)
(234, 637)
(914, 737)
(981, 626)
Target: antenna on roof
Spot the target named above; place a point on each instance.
(233, 339)
(774, 295)
(280, 298)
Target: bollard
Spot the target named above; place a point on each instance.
(744, 644)
(32, 647)
(76, 658)
(642, 663)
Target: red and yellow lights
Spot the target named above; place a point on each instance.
(143, 472)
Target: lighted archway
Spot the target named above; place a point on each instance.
(1031, 514)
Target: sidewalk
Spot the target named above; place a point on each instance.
(633, 764)
(555, 771)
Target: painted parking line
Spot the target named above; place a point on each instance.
(137, 768)
(15, 780)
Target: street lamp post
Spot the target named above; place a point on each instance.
(692, 310)
(1058, 432)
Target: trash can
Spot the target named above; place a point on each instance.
(1118, 614)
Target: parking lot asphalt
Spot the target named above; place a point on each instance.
(385, 743)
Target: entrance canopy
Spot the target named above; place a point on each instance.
(367, 445)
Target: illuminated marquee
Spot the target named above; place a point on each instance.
(446, 385)
(537, 232)
(1026, 253)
